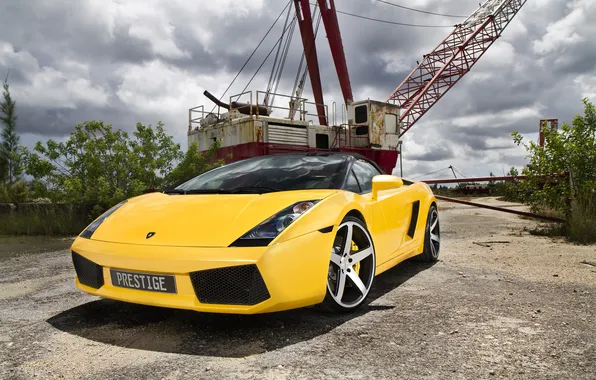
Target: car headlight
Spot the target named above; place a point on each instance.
(88, 232)
(268, 230)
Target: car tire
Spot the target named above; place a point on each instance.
(432, 237)
(351, 272)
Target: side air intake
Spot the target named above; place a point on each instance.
(88, 273)
(414, 219)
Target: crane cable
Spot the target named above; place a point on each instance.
(337, 11)
(301, 74)
(276, 68)
(267, 57)
(435, 172)
(394, 22)
(285, 57)
(462, 174)
(420, 10)
(278, 71)
(253, 53)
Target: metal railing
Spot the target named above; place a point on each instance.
(195, 116)
(305, 110)
(236, 99)
(295, 105)
(345, 137)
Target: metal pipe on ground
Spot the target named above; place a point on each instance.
(522, 213)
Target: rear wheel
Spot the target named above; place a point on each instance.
(432, 237)
(351, 267)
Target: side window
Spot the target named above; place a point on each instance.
(361, 114)
(365, 173)
(352, 183)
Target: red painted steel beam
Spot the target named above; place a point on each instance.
(329, 16)
(305, 24)
(486, 179)
(502, 209)
(477, 179)
(441, 69)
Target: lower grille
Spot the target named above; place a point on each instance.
(237, 285)
(89, 273)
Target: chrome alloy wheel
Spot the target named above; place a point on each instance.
(435, 233)
(352, 265)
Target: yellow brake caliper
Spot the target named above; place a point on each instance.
(356, 266)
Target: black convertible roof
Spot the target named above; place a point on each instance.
(346, 155)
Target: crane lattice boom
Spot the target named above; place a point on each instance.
(452, 59)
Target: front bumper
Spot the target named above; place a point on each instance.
(284, 276)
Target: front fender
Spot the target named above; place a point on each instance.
(327, 213)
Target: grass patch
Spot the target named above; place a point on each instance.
(44, 221)
(582, 227)
(17, 245)
(549, 230)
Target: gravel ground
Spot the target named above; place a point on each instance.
(499, 304)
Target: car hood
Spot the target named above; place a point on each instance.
(205, 220)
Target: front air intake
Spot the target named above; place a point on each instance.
(89, 273)
(237, 285)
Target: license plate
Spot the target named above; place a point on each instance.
(162, 283)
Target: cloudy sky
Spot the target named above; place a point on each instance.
(128, 61)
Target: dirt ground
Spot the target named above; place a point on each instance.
(500, 303)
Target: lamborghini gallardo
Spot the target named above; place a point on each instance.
(264, 234)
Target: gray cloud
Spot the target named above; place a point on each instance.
(437, 152)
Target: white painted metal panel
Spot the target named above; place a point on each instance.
(281, 134)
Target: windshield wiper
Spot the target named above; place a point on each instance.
(253, 189)
(174, 191)
(197, 191)
(237, 190)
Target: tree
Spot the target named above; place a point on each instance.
(99, 165)
(194, 163)
(155, 152)
(571, 150)
(10, 152)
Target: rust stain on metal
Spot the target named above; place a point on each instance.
(259, 130)
(377, 125)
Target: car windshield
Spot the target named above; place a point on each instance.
(272, 173)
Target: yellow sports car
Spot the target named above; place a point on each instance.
(264, 234)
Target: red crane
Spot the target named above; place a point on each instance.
(439, 70)
(329, 17)
(374, 128)
(442, 68)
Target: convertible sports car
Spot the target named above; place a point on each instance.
(264, 234)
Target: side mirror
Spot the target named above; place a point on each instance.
(385, 182)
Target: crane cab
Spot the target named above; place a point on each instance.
(246, 130)
(374, 124)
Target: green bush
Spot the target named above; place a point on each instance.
(570, 150)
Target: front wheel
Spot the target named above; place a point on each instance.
(351, 267)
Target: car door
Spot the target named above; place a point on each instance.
(389, 213)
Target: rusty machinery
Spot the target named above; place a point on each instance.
(248, 130)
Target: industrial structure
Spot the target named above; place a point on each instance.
(553, 124)
(252, 124)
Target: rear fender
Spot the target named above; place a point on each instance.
(427, 198)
